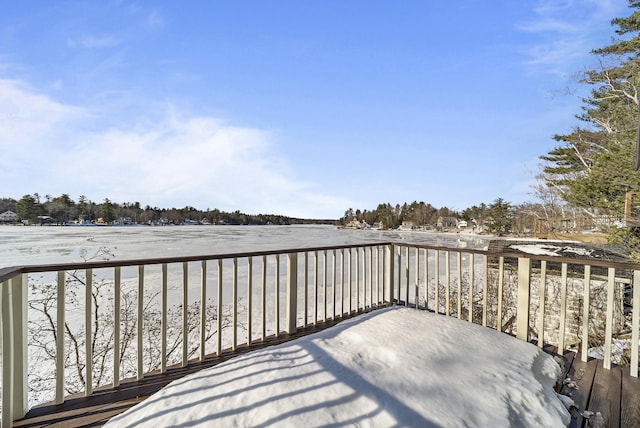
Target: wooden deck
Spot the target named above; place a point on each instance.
(613, 393)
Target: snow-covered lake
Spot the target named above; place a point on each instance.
(39, 245)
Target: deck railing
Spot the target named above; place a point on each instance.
(168, 311)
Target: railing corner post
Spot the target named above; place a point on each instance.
(14, 344)
(389, 274)
(524, 294)
(292, 292)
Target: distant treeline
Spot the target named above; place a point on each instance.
(64, 210)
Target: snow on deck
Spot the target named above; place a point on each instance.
(391, 367)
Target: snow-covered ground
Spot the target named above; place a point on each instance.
(393, 367)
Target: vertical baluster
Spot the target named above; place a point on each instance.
(459, 279)
(342, 274)
(277, 302)
(116, 327)
(436, 275)
(163, 325)
(635, 323)
(88, 328)
(388, 278)
(586, 287)
(472, 267)
(523, 298)
(185, 313)
(203, 308)
(306, 289)
(292, 292)
(406, 276)
(140, 324)
(425, 254)
(234, 303)
(315, 288)
(416, 282)
(365, 278)
(264, 298)
(485, 285)
(249, 299)
(219, 310)
(399, 279)
(357, 279)
(563, 307)
(608, 336)
(542, 291)
(349, 269)
(447, 282)
(60, 313)
(500, 293)
(333, 283)
(371, 277)
(324, 286)
(377, 276)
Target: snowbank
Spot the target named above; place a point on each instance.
(394, 367)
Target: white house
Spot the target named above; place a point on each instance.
(8, 217)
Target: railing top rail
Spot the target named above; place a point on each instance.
(515, 255)
(10, 272)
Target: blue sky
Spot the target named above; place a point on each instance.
(302, 108)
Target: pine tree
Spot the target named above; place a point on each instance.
(593, 168)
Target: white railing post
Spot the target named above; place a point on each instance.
(234, 303)
(292, 292)
(249, 299)
(500, 293)
(524, 298)
(14, 349)
(203, 308)
(185, 313)
(608, 335)
(140, 324)
(20, 364)
(88, 325)
(585, 312)
(163, 320)
(333, 284)
(635, 323)
(60, 312)
(471, 279)
(541, 293)
(219, 310)
(116, 326)
(563, 307)
(389, 274)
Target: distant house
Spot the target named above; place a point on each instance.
(406, 225)
(8, 217)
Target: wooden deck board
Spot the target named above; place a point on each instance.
(582, 374)
(630, 405)
(605, 394)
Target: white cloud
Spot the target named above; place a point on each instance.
(93, 42)
(567, 30)
(155, 19)
(173, 161)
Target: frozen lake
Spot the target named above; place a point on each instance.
(40, 245)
